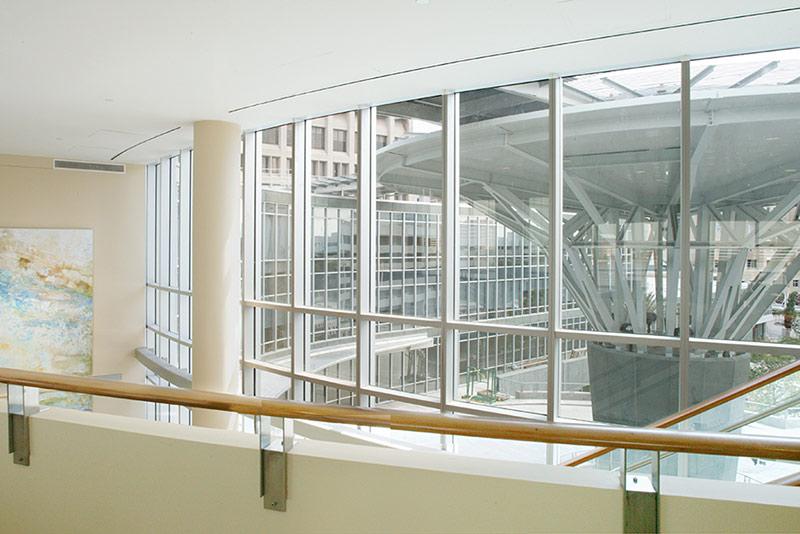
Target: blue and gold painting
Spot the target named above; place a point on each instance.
(46, 295)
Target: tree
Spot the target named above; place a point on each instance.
(788, 311)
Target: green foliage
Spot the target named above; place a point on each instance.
(791, 301)
(761, 364)
(788, 312)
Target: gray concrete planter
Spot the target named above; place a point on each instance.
(638, 388)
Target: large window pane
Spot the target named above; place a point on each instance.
(622, 200)
(270, 385)
(276, 216)
(503, 370)
(621, 225)
(333, 215)
(169, 300)
(745, 196)
(333, 346)
(407, 235)
(406, 358)
(276, 337)
(629, 384)
(325, 394)
(505, 203)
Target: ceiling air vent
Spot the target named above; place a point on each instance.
(115, 168)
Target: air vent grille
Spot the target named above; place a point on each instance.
(115, 168)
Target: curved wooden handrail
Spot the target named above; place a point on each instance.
(591, 435)
(708, 404)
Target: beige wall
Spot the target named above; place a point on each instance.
(34, 195)
(101, 473)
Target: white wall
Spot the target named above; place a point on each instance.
(101, 473)
(34, 195)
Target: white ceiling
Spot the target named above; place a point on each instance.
(85, 79)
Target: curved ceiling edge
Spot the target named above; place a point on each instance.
(140, 143)
(513, 52)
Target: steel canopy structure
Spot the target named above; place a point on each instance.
(622, 197)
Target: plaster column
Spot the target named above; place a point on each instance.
(216, 285)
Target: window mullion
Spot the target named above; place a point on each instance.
(685, 236)
(555, 253)
(185, 256)
(301, 199)
(449, 274)
(250, 260)
(365, 219)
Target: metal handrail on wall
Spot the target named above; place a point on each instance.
(575, 434)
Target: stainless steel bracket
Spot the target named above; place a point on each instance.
(641, 494)
(22, 403)
(274, 460)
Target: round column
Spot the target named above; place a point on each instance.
(216, 285)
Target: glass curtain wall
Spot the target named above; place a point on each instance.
(745, 195)
(169, 274)
(504, 231)
(271, 239)
(417, 244)
(408, 200)
(622, 252)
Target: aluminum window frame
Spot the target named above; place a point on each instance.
(168, 272)
(450, 325)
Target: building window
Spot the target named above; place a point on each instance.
(381, 141)
(271, 164)
(795, 283)
(290, 135)
(339, 140)
(318, 137)
(752, 264)
(340, 169)
(270, 136)
(319, 168)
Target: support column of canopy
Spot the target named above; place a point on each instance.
(216, 286)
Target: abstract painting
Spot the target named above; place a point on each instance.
(46, 293)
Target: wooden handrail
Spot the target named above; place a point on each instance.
(591, 435)
(708, 404)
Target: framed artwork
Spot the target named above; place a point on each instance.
(46, 304)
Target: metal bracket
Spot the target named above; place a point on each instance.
(274, 460)
(19, 438)
(641, 495)
(22, 403)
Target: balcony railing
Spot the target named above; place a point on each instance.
(640, 505)
(587, 435)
